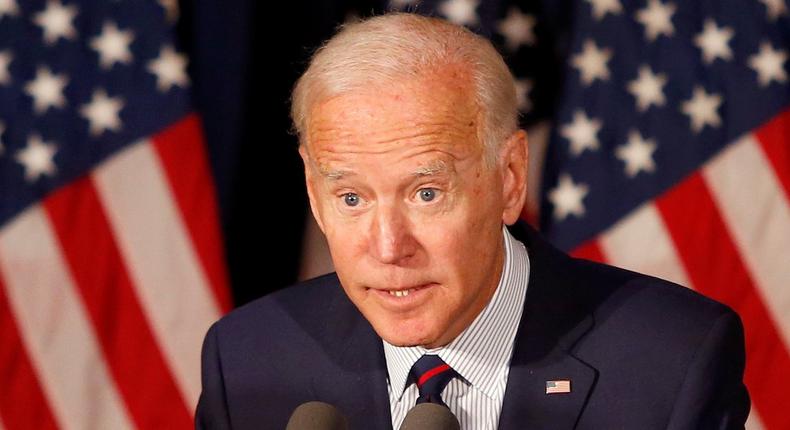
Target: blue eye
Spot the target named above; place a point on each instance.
(427, 194)
(351, 199)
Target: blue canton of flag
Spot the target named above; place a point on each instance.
(652, 90)
(69, 98)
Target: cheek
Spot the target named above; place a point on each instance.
(345, 245)
(465, 243)
(447, 242)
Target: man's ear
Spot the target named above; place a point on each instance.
(309, 178)
(514, 156)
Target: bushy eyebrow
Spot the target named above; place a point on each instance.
(336, 175)
(437, 167)
(333, 174)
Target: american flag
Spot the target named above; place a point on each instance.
(662, 131)
(110, 259)
(558, 387)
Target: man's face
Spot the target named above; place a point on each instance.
(398, 184)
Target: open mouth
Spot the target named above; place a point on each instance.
(401, 293)
(406, 292)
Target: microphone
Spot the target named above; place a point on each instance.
(316, 416)
(430, 416)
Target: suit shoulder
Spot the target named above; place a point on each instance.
(591, 285)
(658, 337)
(640, 290)
(303, 303)
(641, 315)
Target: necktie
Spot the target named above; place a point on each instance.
(431, 375)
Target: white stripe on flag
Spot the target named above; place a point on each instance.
(640, 242)
(753, 205)
(55, 328)
(754, 423)
(168, 278)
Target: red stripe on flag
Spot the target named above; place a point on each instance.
(182, 150)
(716, 269)
(22, 403)
(590, 250)
(131, 351)
(774, 138)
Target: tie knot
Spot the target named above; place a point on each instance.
(431, 375)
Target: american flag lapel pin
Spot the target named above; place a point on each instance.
(558, 387)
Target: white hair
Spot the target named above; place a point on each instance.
(393, 47)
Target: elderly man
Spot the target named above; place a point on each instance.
(415, 166)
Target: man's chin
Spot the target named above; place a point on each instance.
(404, 342)
(405, 337)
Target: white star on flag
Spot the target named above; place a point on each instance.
(591, 62)
(169, 68)
(523, 88)
(36, 158)
(648, 88)
(517, 29)
(57, 21)
(461, 12)
(46, 90)
(774, 8)
(714, 42)
(769, 64)
(601, 7)
(567, 198)
(112, 45)
(8, 7)
(702, 109)
(657, 19)
(582, 133)
(102, 112)
(637, 154)
(5, 62)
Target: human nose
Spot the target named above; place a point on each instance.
(392, 240)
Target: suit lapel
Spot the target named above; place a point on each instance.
(555, 317)
(357, 384)
(368, 395)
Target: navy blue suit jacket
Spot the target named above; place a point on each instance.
(641, 353)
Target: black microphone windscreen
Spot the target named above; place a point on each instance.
(430, 416)
(316, 416)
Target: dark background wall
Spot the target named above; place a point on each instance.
(245, 56)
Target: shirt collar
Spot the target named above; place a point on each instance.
(482, 351)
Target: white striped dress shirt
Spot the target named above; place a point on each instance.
(480, 354)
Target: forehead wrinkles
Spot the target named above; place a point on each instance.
(403, 139)
(439, 102)
(437, 161)
(351, 128)
(393, 124)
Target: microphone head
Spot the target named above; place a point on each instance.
(316, 416)
(430, 416)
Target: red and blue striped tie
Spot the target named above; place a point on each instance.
(431, 375)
